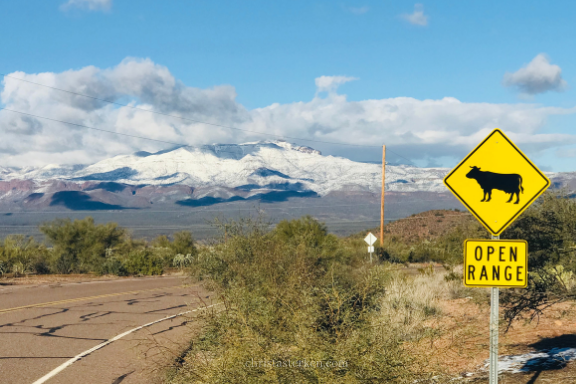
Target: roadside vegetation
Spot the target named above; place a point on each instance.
(303, 306)
(81, 246)
(299, 305)
(297, 294)
(549, 227)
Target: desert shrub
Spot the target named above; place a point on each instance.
(182, 244)
(446, 249)
(306, 231)
(410, 301)
(182, 261)
(132, 257)
(549, 226)
(112, 265)
(21, 255)
(83, 246)
(292, 294)
(143, 262)
(80, 245)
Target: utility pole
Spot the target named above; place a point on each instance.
(383, 189)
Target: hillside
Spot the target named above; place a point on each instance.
(429, 225)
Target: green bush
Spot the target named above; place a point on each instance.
(112, 266)
(22, 255)
(80, 245)
(446, 249)
(306, 231)
(140, 260)
(182, 244)
(143, 262)
(293, 294)
(549, 227)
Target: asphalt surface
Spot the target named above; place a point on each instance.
(43, 326)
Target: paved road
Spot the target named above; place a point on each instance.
(42, 327)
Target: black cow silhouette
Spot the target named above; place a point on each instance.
(510, 183)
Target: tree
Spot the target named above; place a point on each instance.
(549, 226)
(81, 245)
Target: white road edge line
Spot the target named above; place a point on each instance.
(68, 363)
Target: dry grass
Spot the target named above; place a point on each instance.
(410, 301)
(453, 338)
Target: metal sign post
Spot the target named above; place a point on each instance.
(496, 182)
(494, 306)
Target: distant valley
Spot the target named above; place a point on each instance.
(141, 187)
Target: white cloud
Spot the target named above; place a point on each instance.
(417, 17)
(538, 76)
(331, 83)
(91, 5)
(417, 129)
(566, 153)
(358, 10)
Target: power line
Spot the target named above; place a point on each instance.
(96, 129)
(107, 131)
(113, 132)
(188, 119)
(129, 135)
(413, 163)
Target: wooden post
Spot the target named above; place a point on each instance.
(383, 186)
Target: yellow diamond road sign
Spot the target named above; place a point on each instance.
(496, 182)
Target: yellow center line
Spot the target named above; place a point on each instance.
(86, 298)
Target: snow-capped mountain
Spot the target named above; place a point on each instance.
(269, 164)
(188, 176)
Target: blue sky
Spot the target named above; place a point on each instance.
(272, 52)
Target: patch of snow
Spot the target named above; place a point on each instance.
(534, 361)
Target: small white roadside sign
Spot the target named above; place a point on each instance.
(370, 240)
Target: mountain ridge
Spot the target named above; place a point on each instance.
(235, 165)
(267, 171)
